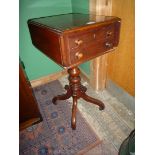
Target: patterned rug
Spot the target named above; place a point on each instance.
(54, 135)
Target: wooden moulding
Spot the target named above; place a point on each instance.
(48, 78)
(52, 77)
(98, 66)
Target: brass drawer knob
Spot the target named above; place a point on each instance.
(109, 33)
(78, 42)
(78, 55)
(109, 45)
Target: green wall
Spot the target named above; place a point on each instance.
(36, 63)
(86, 67)
(80, 6)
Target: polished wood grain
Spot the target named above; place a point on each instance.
(41, 38)
(28, 110)
(70, 40)
(58, 40)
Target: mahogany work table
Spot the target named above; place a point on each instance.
(72, 39)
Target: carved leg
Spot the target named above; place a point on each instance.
(76, 91)
(75, 85)
(63, 96)
(74, 108)
(93, 100)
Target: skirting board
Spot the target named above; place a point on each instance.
(48, 78)
(121, 94)
(52, 77)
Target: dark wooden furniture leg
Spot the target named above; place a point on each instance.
(92, 100)
(74, 108)
(76, 91)
(63, 96)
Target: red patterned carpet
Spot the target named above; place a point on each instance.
(54, 135)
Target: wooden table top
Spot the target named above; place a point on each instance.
(63, 22)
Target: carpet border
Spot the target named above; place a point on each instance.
(91, 146)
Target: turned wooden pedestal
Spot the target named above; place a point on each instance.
(76, 91)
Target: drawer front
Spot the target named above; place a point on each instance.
(90, 51)
(78, 40)
(92, 43)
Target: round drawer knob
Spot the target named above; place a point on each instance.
(109, 45)
(78, 42)
(109, 33)
(79, 55)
